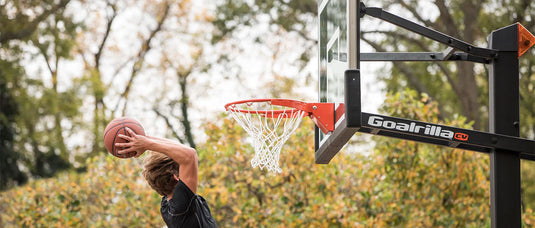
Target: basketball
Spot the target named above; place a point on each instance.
(116, 127)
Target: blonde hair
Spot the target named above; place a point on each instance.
(158, 170)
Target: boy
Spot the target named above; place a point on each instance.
(171, 170)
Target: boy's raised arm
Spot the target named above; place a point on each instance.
(185, 156)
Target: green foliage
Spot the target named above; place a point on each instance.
(112, 193)
(28, 26)
(290, 15)
(444, 187)
(399, 184)
(303, 195)
(39, 29)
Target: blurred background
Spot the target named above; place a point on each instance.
(68, 67)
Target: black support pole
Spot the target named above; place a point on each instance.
(504, 119)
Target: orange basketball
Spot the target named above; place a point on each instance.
(116, 127)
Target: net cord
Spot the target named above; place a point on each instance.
(268, 134)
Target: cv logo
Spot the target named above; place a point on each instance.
(461, 136)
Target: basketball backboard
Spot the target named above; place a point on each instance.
(338, 48)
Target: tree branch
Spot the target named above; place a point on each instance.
(168, 123)
(401, 36)
(184, 105)
(415, 13)
(111, 19)
(446, 19)
(47, 60)
(141, 56)
(449, 78)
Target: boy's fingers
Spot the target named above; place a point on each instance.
(125, 137)
(122, 144)
(125, 150)
(130, 131)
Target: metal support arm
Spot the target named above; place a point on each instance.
(429, 33)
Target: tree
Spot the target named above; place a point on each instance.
(116, 72)
(284, 27)
(291, 16)
(183, 74)
(21, 23)
(460, 87)
(10, 173)
(93, 60)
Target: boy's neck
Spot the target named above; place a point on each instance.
(170, 196)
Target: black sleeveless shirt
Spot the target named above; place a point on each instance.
(186, 209)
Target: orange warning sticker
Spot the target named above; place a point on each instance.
(525, 40)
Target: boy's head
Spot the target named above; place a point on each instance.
(158, 170)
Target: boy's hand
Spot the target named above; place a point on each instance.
(137, 143)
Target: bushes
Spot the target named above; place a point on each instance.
(399, 184)
(111, 193)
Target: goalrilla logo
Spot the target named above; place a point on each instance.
(430, 130)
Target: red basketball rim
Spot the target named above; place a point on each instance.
(295, 105)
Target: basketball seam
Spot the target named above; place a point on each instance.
(105, 133)
(125, 133)
(116, 134)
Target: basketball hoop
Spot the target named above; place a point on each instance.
(270, 122)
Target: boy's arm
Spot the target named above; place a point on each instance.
(185, 156)
(160, 139)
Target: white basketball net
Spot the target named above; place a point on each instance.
(269, 127)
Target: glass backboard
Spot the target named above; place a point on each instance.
(337, 52)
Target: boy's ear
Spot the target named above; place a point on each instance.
(176, 178)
